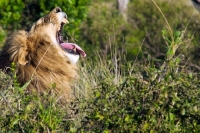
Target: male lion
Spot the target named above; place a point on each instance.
(42, 57)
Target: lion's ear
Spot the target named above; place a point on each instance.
(24, 56)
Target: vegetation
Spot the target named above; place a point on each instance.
(139, 79)
(20, 14)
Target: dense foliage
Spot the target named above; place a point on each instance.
(20, 14)
(137, 80)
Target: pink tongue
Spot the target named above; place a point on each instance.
(72, 46)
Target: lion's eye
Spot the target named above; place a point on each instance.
(58, 10)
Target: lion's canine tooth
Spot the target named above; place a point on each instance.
(74, 49)
(65, 21)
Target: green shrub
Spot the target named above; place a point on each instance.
(137, 105)
(150, 99)
(24, 112)
(18, 14)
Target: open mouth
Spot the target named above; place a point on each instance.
(68, 47)
(59, 36)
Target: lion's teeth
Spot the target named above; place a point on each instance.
(65, 21)
(61, 38)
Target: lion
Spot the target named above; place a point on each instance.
(41, 56)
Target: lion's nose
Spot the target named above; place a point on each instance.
(65, 15)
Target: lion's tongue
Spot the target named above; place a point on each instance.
(72, 46)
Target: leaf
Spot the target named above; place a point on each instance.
(177, 33)
(164, 32)
(99, 116)
(70, 2)
(127, 118)
(14, 122)
(106, 131)
(190, 75)
(25, 85)
(171, 116)
(183, 111)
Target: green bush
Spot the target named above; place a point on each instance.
(138, 105)
(25, 112)
(150, 99)
(18, 14)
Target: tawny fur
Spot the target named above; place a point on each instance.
(39, 58)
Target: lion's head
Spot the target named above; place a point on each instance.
(51, 26)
